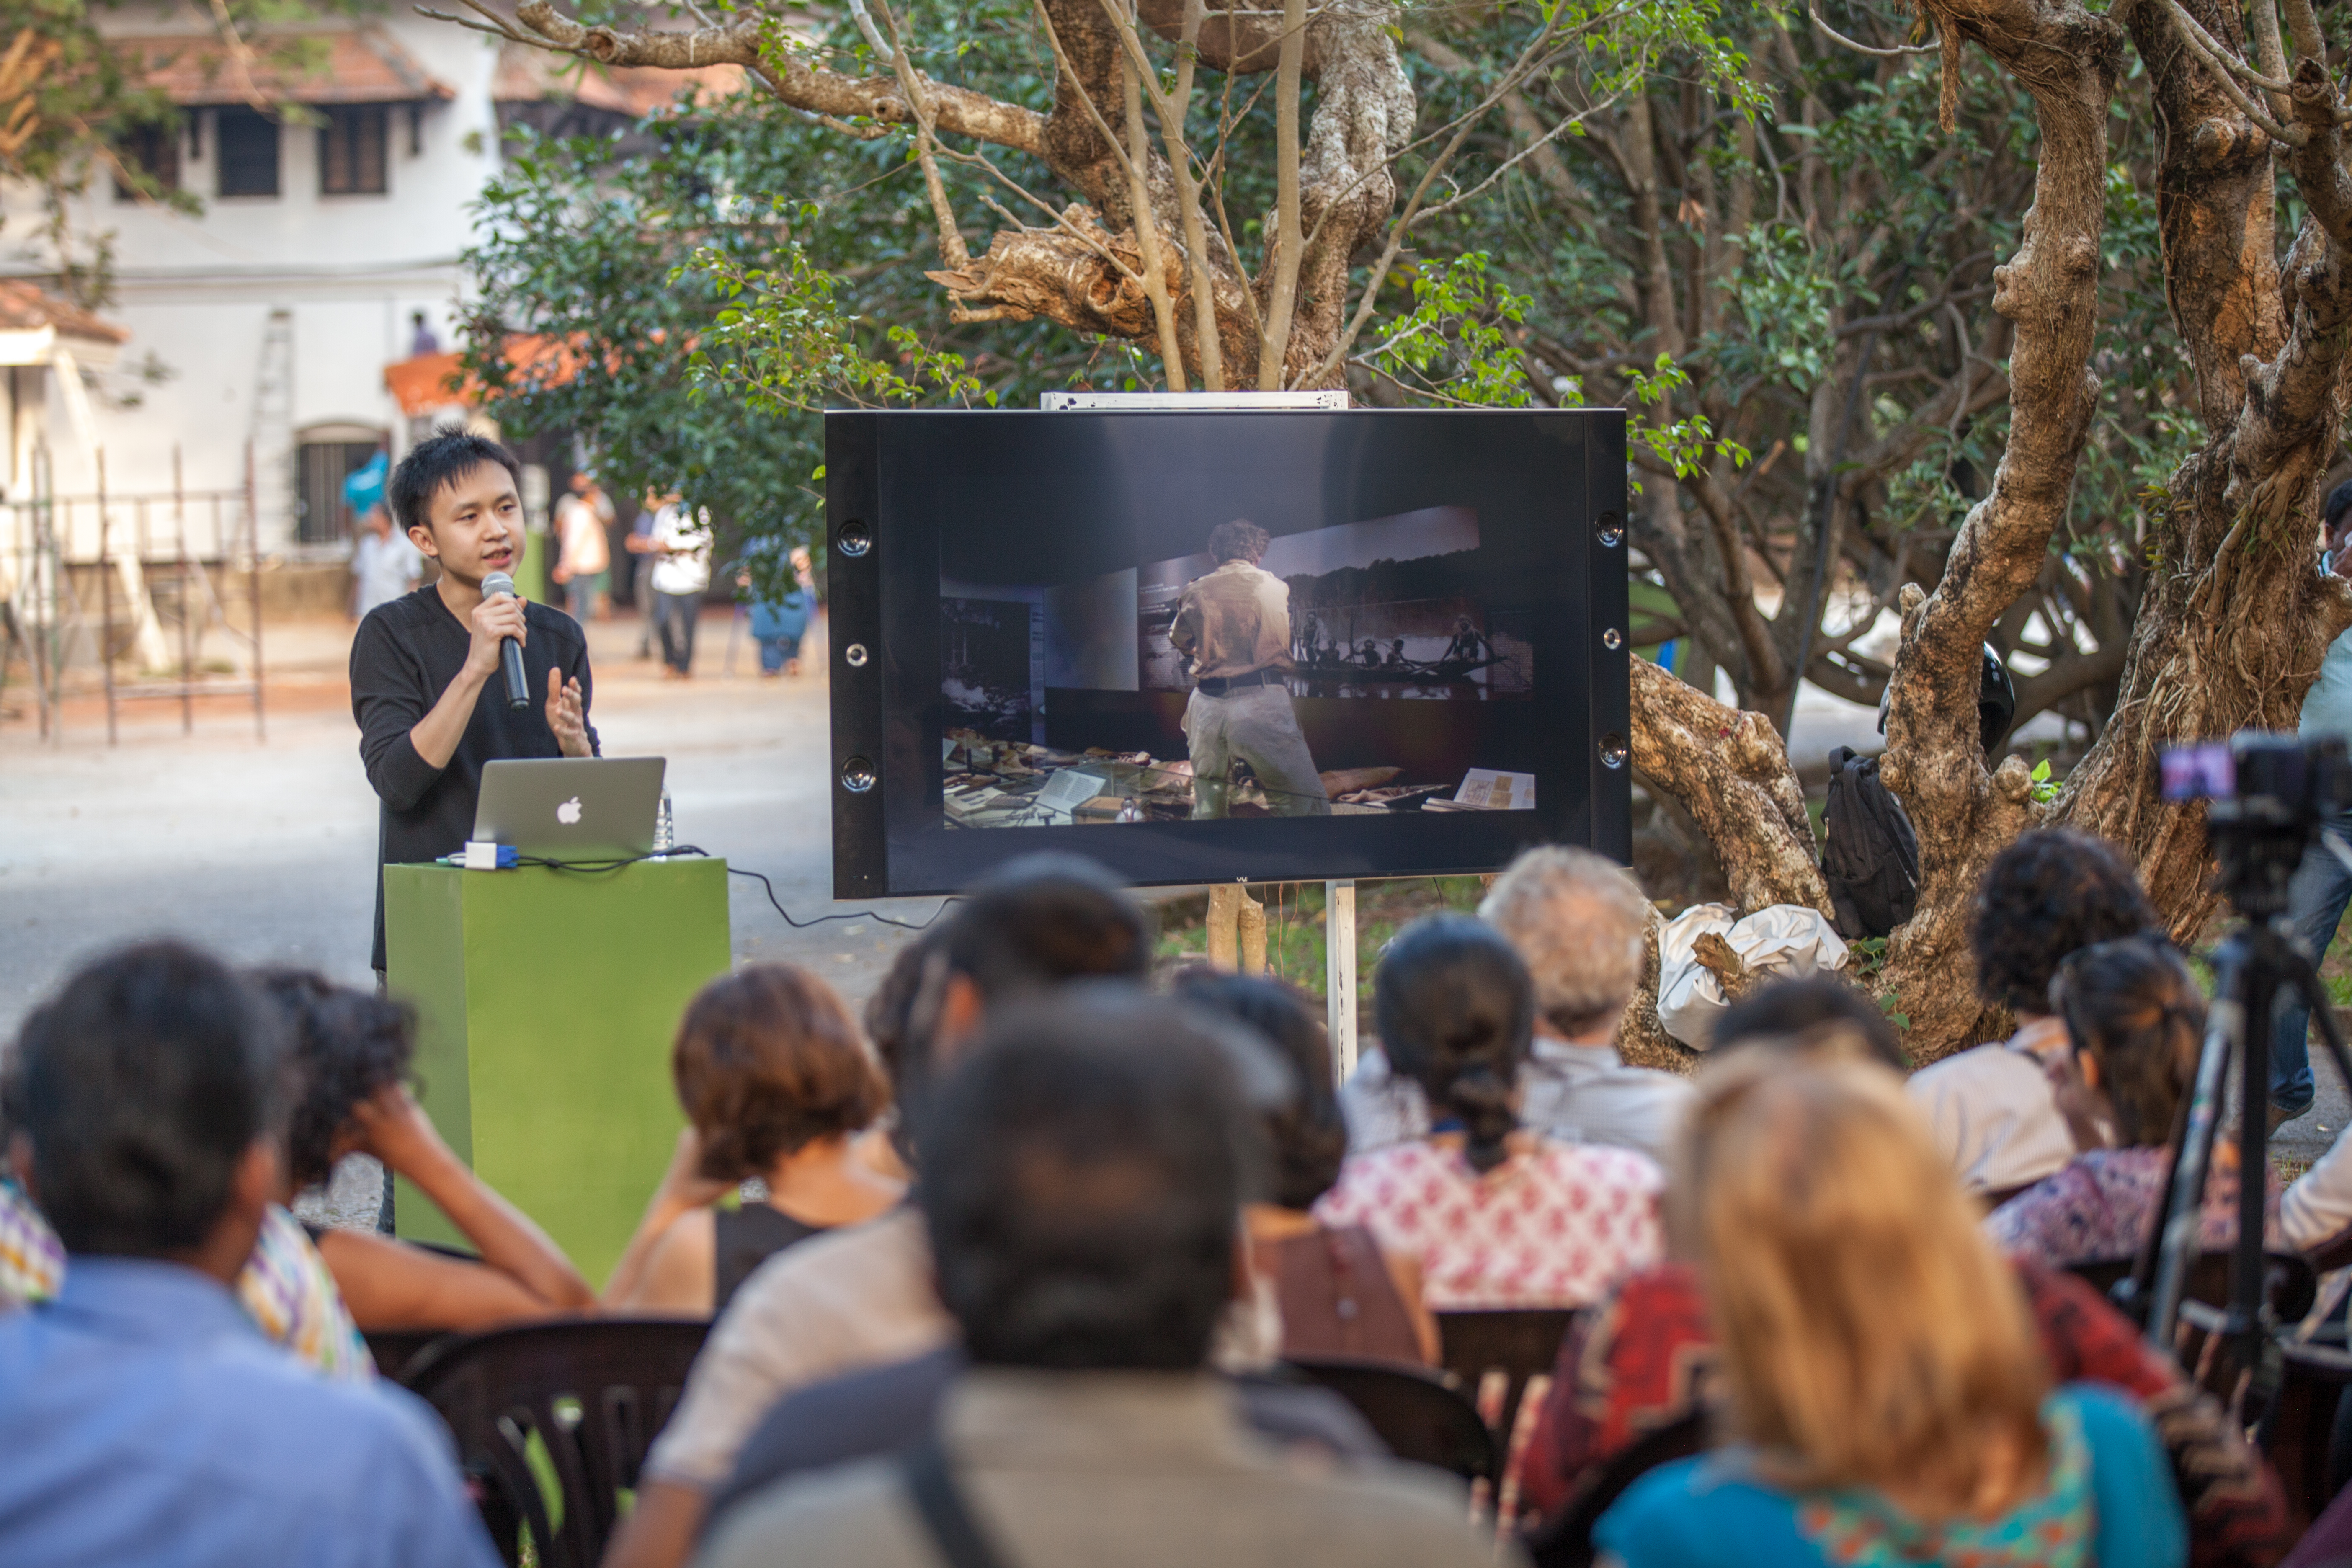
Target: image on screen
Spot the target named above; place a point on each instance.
(1239, 656)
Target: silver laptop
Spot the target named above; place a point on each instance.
(571, 808)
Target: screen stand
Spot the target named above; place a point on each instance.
(1339, 976)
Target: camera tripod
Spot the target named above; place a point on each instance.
(2255, 963)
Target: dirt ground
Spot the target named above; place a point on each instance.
(265, 849)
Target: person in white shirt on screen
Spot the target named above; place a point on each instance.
(1234, 625)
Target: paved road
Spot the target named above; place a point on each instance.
(266, 851)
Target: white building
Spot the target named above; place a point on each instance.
(324, 253)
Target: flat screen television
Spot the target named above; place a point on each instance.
(1204, 646)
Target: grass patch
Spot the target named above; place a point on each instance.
(1295, 941)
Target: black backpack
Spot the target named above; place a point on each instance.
(1870, 856)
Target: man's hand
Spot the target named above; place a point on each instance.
(564, 715)
(493, 621)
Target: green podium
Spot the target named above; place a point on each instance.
(546, 1002)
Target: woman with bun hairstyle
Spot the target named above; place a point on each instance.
(776, 1084)
(1495, 1215)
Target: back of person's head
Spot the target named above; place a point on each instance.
(1455, 1012)
(1042, 920)
(1871, 1335)
(346, 1046)
(1581, 925)
(768, 1062)
(890, 1011)
(435, 463)
(1083, 1172)
(2052, 892)
(2339, 501)
(2132, 1008)
(1817, 1016)
(142, 1088)
(1305, 1133)
(1240, 540)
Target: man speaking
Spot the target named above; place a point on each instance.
(428, 687)
(1235, 625)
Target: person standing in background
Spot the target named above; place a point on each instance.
(384, 564)
(2322, 888)
(679, 547)
(585, 552)
(778, 623)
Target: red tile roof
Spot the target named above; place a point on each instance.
(27, 307)
(367, 66)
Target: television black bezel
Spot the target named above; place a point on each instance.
(889, 835)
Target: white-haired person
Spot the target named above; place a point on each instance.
(1580, 925)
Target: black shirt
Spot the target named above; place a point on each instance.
(747, 1237)
(405, 657)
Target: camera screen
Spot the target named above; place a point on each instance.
(2205, 771)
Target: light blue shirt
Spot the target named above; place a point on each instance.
(144, 1421)
(2327, 706)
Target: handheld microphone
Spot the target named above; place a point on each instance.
(498, 585)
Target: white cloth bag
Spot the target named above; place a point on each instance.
(1787, 941)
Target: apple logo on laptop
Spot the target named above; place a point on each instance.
(568, 813)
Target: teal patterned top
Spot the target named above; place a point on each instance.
(2108, 1500)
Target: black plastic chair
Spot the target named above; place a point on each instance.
(2289, 1284)
(1565, 1540)
(1416, 1411)
(593, 1392)
(2299, 1433)
(394, 1351)
(1521, 1344)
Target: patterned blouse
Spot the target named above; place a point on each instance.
(285, 1286)
(2099, 1208)
(1557, 1226)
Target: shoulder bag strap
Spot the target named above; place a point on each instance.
(931, 1485)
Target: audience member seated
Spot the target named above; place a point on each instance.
(1334, 1291)
(285, 1286)
(775, 1084)
(1993, 1108)
(32, 1259)
(863, 1297)
(1082, 1193)
(1882, 1387)
(1581, 927)
(882, 1410)
(352, 1053)
(147, 1420)
(1494, 1216)
(1646, 1358)
(2134, 1017)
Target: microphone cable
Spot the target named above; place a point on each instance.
(682, 851)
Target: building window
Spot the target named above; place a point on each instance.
(352, 150)
(245, 150)
(325, 457)
(152, 150)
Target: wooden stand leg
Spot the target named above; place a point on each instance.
(1224, 926)
(1339, 975)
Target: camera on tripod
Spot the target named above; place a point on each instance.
(2268, 794)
